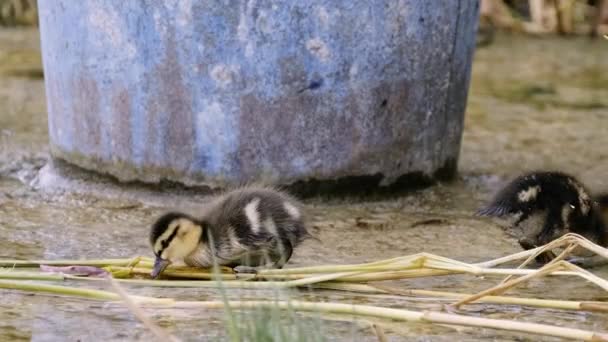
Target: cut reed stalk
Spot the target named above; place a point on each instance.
(405, 315)
(501, 288)
(187, 273)
(69, 291)
(533, 302)
(352, 278)
(67, 262)
(318, 279)
(566, 239)
(588, 245)
(544, 249)
(358, 310)
(16, 275)
(192, 283)
(408, 262)
(507, 259)
(603, 283)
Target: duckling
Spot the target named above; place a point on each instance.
(547, 205)
(246, 227)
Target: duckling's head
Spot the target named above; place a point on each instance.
(173, 237)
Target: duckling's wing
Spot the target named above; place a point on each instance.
(536, 191)
(494, 209)
(509, 199)
(254, 247)
(503, 204)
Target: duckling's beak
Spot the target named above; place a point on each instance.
(159, 267)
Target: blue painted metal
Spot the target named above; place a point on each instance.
(228, 91)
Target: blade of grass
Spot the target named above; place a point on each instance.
(379, 332)
(161, 334)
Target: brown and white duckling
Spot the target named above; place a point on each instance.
(247, 227)
(546, 205)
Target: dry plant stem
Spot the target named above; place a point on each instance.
(139, 313)
(592, 306)
(500, 288)
(603, 283)
(406, 315)
(427, 272)
(356, 278)
(410, 261)
(318, 279)
(365, 288)
(560, 257)
(16, 275)
(66, 262)
(564, 240)
(528, 254)
(597, 249)
(227, 284)
(350, 287)
(507, 259)
(68, 291)
(361, 310)
(192, 283)
(546, 270)
(540, 303)
(187, 273)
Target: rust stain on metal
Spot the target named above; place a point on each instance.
(121, 125)
(85, 106)
(173, 109)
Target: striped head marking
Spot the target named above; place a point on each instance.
(174, 236)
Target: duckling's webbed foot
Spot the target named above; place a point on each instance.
(587, 262)
(525, 214)
(578, 261)
(542, 258)
(283, 254)
(553, 224)
(245, 269)
(545, 258)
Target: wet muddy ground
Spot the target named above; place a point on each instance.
(533, 104)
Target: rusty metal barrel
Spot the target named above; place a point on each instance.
(226, 92)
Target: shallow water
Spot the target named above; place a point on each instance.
(534, 103)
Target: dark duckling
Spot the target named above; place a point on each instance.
(547, 205)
